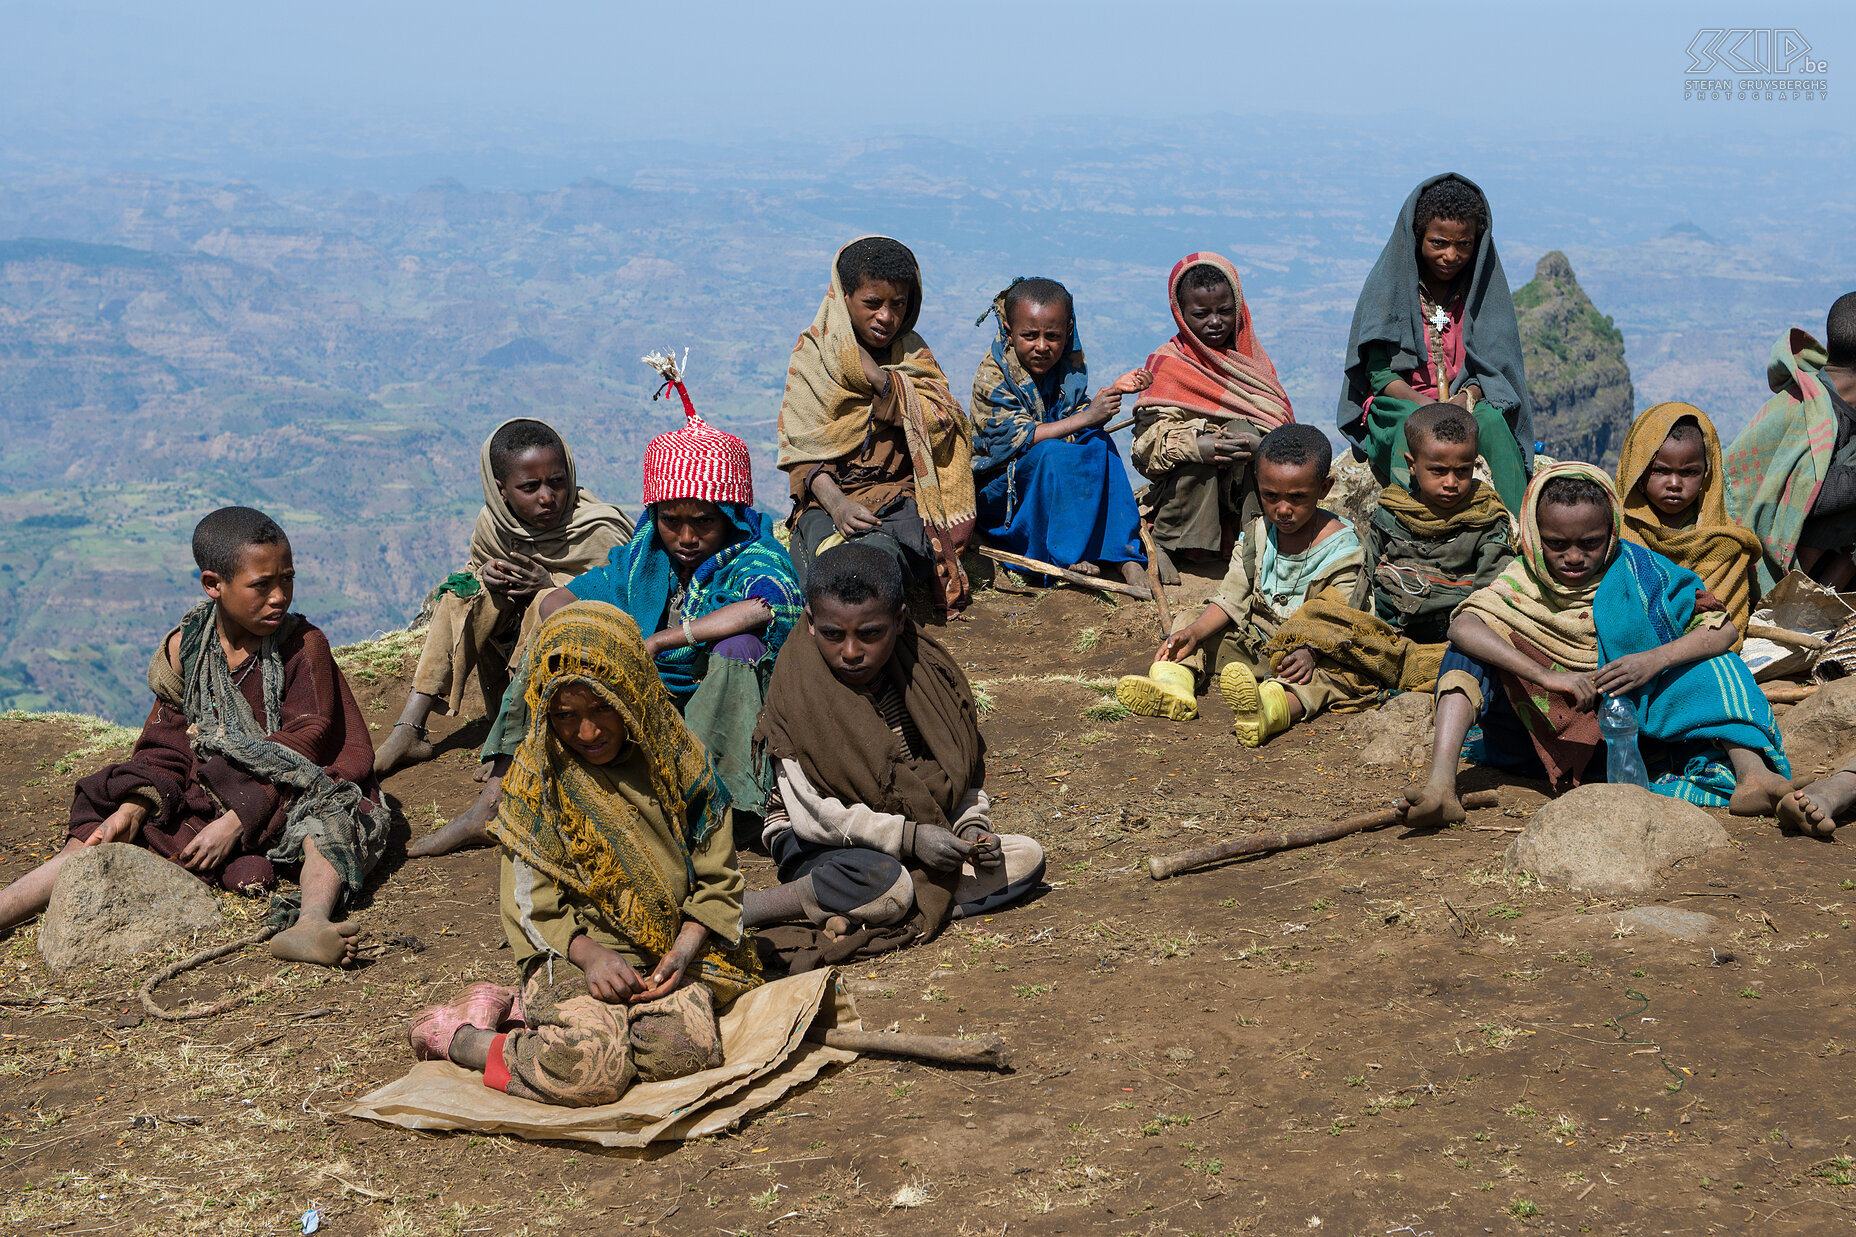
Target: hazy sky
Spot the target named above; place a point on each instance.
(412, 71)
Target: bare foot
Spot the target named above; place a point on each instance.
(1431, 807)
(485, 771)
(1086, 569)
(1134, 575)
(1759, 794)
(317, 941)
(407, 745)
(836, 927)
(471, 828)
(1814, 810)
(1163, 566)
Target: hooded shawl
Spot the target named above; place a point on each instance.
(1725, 555)
(639, 578)
(825, 414)
(1239, 381)
(1527, 601)
(1387, 312)
(580, 542)
(558, 817)
(1009, 404)
(1776, 465)
(350, 832)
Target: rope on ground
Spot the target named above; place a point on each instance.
(1624, 1037)
(190, 1012)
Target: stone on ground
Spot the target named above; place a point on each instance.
(1397, 733)
(115, 902)
(1668, 921)
(1821, 730)
(1612, 841)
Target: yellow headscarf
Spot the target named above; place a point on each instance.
(1712, 546)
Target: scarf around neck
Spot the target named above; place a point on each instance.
(1239, 381)
(1009, 404)
(1483, 509)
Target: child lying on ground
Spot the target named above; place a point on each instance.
(1052, 486)
(874, 442)
(537, 529)
(1675, 502)
(715, 590)
(1426, 550)
(1294, 550)
(1582, 614)
(879, 819)
(253, 757)
(1214, 392)
(620, 895)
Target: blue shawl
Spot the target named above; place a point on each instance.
(1646, 601)
(639, 578)
(1008, 404)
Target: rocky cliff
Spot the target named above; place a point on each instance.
(1576, 375)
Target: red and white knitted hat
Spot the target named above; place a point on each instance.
(697, 461)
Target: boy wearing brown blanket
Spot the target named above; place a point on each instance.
(879, 819)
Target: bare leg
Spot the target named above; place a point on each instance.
(1434, 802)
(1814, 810)
(1758, 789)
(472, 826)
(315, 938)
(408, 744)
(470, 1047)
(28, 895)
(1134, 574)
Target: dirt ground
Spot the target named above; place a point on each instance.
(1379, 1035)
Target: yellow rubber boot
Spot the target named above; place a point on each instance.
(1166, 690)
(1261, 709)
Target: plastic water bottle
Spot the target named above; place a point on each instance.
(1617, 722)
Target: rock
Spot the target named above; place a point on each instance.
(1668, 921)
(115, 902)
(1396, 733)
(1355, 492)
(1821, 730)
(1613, 841)
(1577, 380)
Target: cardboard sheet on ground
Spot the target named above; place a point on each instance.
(766, 1055)
(1796, 603)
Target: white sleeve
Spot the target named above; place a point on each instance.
(823, 820)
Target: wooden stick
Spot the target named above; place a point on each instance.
(147, 990)
(1787, 693)
(1125, 422)
(1162, 866)
(1153, 582)
(988, 1051)
(1122, 424)
(1757, 630)
(1074, 577)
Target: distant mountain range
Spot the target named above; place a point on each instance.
(170, 345)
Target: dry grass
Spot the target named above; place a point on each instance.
(99, 734)
(386, 655)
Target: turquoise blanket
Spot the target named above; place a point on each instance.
(1644, 602)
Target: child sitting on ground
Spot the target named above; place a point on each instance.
(254, 755)
(874, 442)
(621, 898)
(1675, 502)
(1214, 392)
(1580, 615)
(713, 587)
(879, 819)
(1791, 474)
(537, 529)
(1426, 550)
(1052, 486)
(1294, 550)
(1435, 323)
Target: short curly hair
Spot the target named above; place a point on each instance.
(1203, 275)
(1453, 199)
(877, 259)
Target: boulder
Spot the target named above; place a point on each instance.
(115, 902)
(1613, 841)
(1668, 921)
(1820, 731)
(1397, 733)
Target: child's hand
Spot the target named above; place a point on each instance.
(121, 825)
(517, 576)
(1297, 666)
(1178, 646)
(939, 849)
(1132, 383)
(212, 845)
(666, 979)
(608, 976)
(1469, 397)
(1628, 673)
(1580, 687)
(851, 518)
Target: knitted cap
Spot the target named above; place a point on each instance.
(697, 461)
